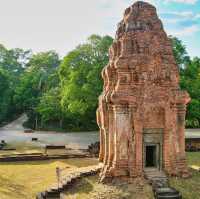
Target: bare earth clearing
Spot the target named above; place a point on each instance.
(89, 188)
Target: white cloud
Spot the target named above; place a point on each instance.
(197, 16)
(183, 1)
(176, 17)
(44, 25)
(188, 31)
(115, 8)
(186, 14)
(57, 24)
(172, 21)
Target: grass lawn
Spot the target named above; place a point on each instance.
(23, 180)
(193, 158)
(190, 188)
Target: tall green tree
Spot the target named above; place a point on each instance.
(38, 78)
(50, 109)
(180, 52)
(5, 95)
(14, 62)
(190, 81)
(12, 65)
(81, 82)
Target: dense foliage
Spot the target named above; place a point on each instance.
(39, 78)
(189, 80)
(12, 65)
(81, 83)
(63, 94)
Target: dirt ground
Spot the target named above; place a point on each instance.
(89, 188)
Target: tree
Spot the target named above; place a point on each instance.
(190, 81)
(14, 62)
(38, 78)
(65, 94)
(49, 107)
(180, 53)
(81, 82)
(12, 65)
(6, 95)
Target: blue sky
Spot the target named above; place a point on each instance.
(63, 24)
(181, 18)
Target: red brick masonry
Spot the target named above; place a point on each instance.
(141, 98)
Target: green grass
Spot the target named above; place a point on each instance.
(193, 158)
(23, 180)
(190, 188)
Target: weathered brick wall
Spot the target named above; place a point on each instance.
(141, 91)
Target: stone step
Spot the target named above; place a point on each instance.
(155, 175)
(68, 180)
(160, 185)
(168, 192)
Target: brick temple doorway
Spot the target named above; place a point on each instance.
(152, 156)
(152, 149)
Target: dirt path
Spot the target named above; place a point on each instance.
(13, 134)
(16, 124)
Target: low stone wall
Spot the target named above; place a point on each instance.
(35, 157)
(67, 181)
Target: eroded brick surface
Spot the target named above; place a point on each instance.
(141, 99)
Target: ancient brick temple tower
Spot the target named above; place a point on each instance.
(141, 113)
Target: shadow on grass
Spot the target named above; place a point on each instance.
(84, 186)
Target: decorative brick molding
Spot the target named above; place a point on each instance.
(141, 92)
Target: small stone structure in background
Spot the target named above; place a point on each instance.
(141, 113)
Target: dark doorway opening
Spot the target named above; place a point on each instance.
(151, 156)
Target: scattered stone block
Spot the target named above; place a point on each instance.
(167, 193)
(28, 131)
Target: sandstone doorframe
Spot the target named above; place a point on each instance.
(153, 137)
